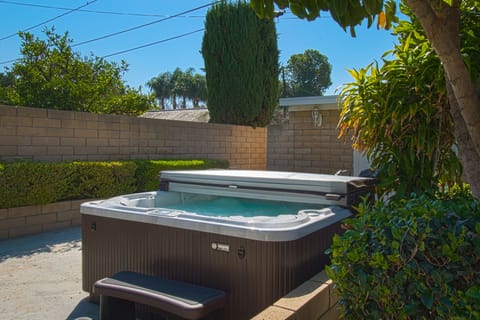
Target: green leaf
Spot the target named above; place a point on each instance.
(446, 250)
(396, 233)
(395, 245)
(329, 271)
(473, 292)
(427, 299)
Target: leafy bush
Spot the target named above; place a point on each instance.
(148, 170)
(32, 183)
(416, 258)
(103, 179)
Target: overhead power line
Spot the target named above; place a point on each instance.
(134, 28)
(49, 20)
(153, 43)
(9, 61)
(92, 11)
(142, 26)
(135, 48)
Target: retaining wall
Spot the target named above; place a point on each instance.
(19, 221)
(312, 300)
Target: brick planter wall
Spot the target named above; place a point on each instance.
(21, 221)
(313, 299)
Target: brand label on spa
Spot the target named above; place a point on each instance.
(220, 247)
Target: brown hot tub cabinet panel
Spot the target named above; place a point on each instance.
(253, 273)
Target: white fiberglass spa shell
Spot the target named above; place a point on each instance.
(325, 200)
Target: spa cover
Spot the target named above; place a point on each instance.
(270, 185)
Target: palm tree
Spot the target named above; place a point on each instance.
(199, 90)
(184, 84)
(162, 87)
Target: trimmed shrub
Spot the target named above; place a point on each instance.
(417, 258)
(103, 179)
(32, 183)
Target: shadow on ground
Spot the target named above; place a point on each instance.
(28, 245)
(85, 310)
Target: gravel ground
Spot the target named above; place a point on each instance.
(41, 278)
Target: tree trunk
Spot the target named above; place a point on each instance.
(442, 27)
(467, 154)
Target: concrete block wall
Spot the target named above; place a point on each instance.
(15, 222)
(295, 144)
(312, 300)
(55, 135)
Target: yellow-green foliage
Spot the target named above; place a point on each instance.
(398, 115)
(32, 183)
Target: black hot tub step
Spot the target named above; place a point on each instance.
(120, 292)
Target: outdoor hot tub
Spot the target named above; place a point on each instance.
(254, 234)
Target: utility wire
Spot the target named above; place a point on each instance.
(135, 48)
(130, 29)
(9, 61)
(143, 25)
(49, 20)
(92, 11)
(152, 43)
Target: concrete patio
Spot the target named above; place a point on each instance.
(41, 277)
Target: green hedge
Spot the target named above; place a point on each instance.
(103, 179)
(416, 258)
(33, 183)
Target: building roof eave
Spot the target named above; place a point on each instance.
(309, 103)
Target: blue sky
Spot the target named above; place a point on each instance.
(294, 35)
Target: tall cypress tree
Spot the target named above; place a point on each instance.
(241, 63)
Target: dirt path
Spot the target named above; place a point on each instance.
(40, 278)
